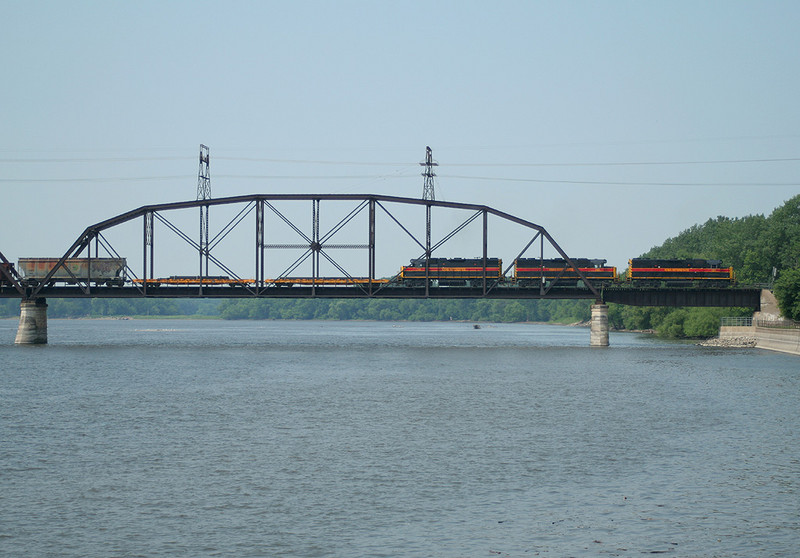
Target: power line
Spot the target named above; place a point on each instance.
(93, 160)
(577, 164)
(394, 177)
(618, 183)
(625, 164)
(315, 162)
(96, 179)
(391, 164)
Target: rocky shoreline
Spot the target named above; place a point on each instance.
(734, 342)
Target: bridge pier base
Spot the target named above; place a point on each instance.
(598, 335)
(32, 329)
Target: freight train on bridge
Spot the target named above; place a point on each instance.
(436, 272)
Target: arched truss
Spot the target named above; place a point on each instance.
(316, 246)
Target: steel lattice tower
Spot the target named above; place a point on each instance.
(427, 189)
(204, 193)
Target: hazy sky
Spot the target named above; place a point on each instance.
(614, 125)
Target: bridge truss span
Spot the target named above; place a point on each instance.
(299, 245)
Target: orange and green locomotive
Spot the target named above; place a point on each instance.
(530, 272)
(451, 272)
(679, 273)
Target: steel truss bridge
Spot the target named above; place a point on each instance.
(357, 231)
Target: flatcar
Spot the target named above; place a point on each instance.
(451, 272)
(193, 281)
(325, 281)
(224, 280)
(100, 271)
(679, 273)
(558, 272)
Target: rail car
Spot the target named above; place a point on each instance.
(100, 271)
(324, 281)
(450, 272)
(193, 281)
(530, 272)
(679, 273)
(224, 280)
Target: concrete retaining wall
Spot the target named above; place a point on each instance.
(776, 339)
(728, 332)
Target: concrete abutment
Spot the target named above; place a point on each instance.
(32, 328)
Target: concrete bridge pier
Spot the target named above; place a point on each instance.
(598, 335)
(32, 328)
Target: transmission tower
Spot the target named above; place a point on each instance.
(204, 193)
(427, 189)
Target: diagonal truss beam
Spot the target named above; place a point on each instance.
(8, 273)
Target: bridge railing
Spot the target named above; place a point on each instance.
(736, 321)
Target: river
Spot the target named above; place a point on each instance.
(282, 438)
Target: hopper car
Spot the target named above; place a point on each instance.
(100, 271)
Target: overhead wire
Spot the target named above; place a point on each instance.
(391, 177)
(396, 163)
(89, 159)
(96, 179)
(396, 174)
(617, 182)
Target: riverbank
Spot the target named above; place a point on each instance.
(761, 336)
(740, 341)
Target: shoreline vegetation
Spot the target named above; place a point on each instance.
(472, 323)
(760, 249)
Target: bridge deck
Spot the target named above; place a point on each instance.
(734, 297)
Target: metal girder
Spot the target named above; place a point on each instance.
(733, 297)
(728, 297)
(315, 244)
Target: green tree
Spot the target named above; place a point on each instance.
(672, 325)
(514, 312)
(787, 291)
(783, 235)
(701, 322)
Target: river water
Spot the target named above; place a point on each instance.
(214, 438)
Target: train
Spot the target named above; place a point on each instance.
(100, 271)
(438, 272)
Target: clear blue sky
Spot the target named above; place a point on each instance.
(526, 104)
